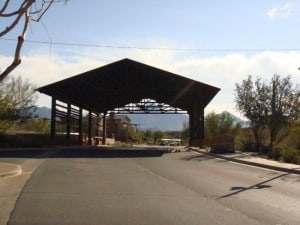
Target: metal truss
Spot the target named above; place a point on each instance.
(148, 106)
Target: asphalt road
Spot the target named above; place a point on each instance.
(148, 187)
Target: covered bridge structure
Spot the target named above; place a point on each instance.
(128, 86)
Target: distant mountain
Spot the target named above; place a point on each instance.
(42, 112)
(164, 122)
(236, 119)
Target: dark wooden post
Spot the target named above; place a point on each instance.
(97, 129)
(68, 124)
(202, 128)
(90, 129)
(196, 121)
(104, 129)
(53, 121)
(80, 126)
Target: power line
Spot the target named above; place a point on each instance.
(151, 48)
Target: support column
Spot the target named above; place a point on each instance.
(68, 124)
(97, 129)
(53, 122)
(80, 126)
(196, 121)
(98, 124)
(104, 129)
(202, 128)
(90, 129)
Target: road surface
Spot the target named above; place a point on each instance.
(149, 187)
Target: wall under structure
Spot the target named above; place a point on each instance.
(67, 120)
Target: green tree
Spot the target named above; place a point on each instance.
(185, 132)
(39, 125)
(128, 133)
(148, 134)
(33, 124)
(269, 107)
(158, 134)
(211, 125)
(17, 99)
(252, 100)
(284, 107)
(292, 135)
(216, 124)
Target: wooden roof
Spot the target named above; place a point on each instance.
(127, 81)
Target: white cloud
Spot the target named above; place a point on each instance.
(283, 11)
(223, 71)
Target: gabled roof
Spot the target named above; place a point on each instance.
(127, 81)
(118, 117)
(121, 117)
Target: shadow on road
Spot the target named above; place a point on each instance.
(258, 186)
(86, 152)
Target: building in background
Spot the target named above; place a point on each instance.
(115, 124)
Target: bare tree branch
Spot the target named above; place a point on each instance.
(25, 10)
(43, 11)
(4, 6)
(17, 58)
(24, 6)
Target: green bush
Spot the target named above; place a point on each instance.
(289, 155)
(222, 148)
(122, 144)
(298, 159)
(275, 153)
(247, 145)
(265, 149)
(293, 138)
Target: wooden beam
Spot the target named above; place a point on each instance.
(104, 129)
(68, 124)
(53, 121)
(90, 129)
(80, 126)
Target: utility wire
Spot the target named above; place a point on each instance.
(150, 48)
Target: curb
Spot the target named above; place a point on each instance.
(10, 170)
(277, 168)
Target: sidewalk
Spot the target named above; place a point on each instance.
(252, 159)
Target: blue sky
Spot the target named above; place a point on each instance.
(220, 42)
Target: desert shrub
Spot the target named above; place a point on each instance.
(294, 136)
(298, 159)
(265, 149)
(289, 155)
(275, 153)
(222, 148)
(122, 144)
(247, 145)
